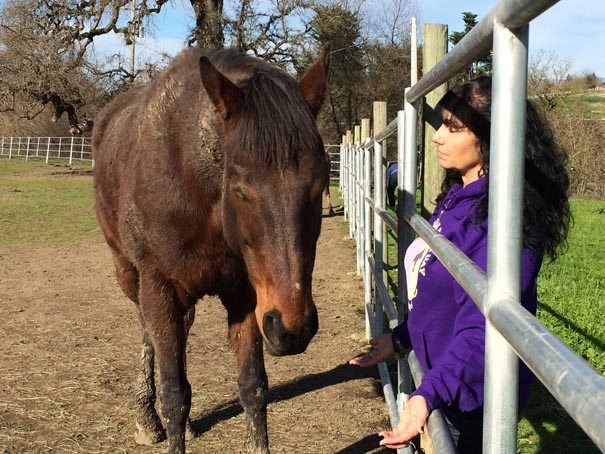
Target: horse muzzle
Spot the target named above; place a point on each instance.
(281, 341)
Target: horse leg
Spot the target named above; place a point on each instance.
(329, 200)
(149, 428)
(148, 424)
(188, 320)
(163, 318)
(247, 344)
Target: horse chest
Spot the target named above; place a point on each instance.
(199, 258)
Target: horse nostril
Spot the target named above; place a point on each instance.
(272, 326)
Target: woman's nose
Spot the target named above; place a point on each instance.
(438, 136)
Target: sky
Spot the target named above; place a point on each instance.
(574, 30)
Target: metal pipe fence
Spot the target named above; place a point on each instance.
(47, 148)
(511, 331)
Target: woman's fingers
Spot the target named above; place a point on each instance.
(381, 349)
(411, 424)
(395, 438)
(363, 361)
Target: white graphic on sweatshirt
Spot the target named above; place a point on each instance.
(416, 258)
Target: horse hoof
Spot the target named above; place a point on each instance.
(190, 434)
(148, 437)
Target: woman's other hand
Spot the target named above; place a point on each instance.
(381, 349)
(412, 421)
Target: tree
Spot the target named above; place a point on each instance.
(43, 55)
(388, 54)
(340, 26)
(481, 66)
(546, 74)
(208, 31)
(54, 38)
(275, 30)
(591, 80)
(370, 60)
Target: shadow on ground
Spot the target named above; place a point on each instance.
(340, 374)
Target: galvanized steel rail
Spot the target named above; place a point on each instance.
(511, 331)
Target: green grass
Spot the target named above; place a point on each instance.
(36, 207)
(572, 306)
(590, 104)
(572, 290)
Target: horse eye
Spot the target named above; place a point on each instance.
(241, 194)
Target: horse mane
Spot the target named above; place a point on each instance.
(275, 122)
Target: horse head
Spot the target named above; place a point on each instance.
(275, 173)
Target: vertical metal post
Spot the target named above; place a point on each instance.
(10, 150)
(38, 148)
(406, 182)
(19, 147)
(378, 231)
(358, 198)
(47, 149)
(509, 103)
(367, 219)
(351, 190)
(341, 167)
(347, 177)
(414, 53)
(27, 149)
(344, 176)
(404, 378)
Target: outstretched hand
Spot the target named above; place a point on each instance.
(381, 350)
(412, 421)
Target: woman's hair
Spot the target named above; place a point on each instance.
(546, 212)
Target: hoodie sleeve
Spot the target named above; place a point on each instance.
(457, 379)
(402, 334)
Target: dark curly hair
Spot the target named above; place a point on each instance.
(546, 212)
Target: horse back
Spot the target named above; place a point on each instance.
(158, 170)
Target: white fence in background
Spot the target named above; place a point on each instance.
(334, 154)
(78, 149)
(47, 148)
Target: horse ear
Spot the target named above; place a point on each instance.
(224, 94)
(314, 81)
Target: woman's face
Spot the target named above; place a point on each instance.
(458, 149)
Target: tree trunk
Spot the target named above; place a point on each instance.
(208, 23)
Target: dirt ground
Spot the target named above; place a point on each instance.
(70, 344)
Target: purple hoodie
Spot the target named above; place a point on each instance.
(444, 326)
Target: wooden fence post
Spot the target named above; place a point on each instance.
(434, 49)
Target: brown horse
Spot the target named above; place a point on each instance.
(208, 181)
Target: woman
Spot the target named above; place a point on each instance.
(444, 326)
